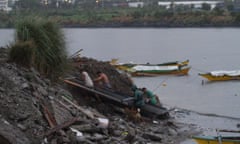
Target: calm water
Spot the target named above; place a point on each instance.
(207, 49)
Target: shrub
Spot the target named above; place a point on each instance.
(48, 51)
(22, 53)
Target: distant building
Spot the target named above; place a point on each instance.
(4, 6)
(236, 5)
(135, 4)
(194, 4)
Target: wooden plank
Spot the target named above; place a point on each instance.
(92, 90)
(86, 112)
(50, 118)
(124, 100)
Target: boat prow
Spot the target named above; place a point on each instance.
(176, 63)
(217, 139)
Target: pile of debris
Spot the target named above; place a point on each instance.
(34, 110)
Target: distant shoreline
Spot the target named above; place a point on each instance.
(149, 26)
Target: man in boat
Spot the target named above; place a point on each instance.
(150, 97)
(103, 80)
(87, 80)
(138, 97)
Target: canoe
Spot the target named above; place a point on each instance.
(217, 139)
(221, 75)
(144, 70)
(128, 66)
(121, 100)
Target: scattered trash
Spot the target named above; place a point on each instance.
(155, 122)
(78, 133)
(125, 133)
(103, 122)
(45, 141)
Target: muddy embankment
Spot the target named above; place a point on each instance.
(35, 110)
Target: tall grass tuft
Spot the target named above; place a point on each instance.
(48, 54)
(22, 53)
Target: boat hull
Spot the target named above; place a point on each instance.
(219, 78)
(128, 66)
(216, 140)
(182, 71)
(122, 100)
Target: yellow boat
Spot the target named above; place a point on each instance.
(159, 70)
(128, 66)
(217, 139)
(221, 75)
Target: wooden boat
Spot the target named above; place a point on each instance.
(144, 70)
(221, 75)
(217, 139)
(122, 100)
(128, 66)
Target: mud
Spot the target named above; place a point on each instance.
(33, 110)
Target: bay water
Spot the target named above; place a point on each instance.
(208, 49)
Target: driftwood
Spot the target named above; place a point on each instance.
(64, 105)
(91, 114)
(61, 126)
(50, 118)
(96, 113)
(89, 128)
(86, 112)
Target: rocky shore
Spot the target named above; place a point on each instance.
(35, 110)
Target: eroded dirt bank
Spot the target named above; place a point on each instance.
(34, 110)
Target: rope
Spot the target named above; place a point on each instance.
(198, 70)
(160, 84)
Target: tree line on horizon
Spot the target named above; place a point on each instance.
(149, 16)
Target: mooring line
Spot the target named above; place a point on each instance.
(160, 84)
(198, 70)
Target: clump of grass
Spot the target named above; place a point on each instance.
(22, 53)
(48, 49)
